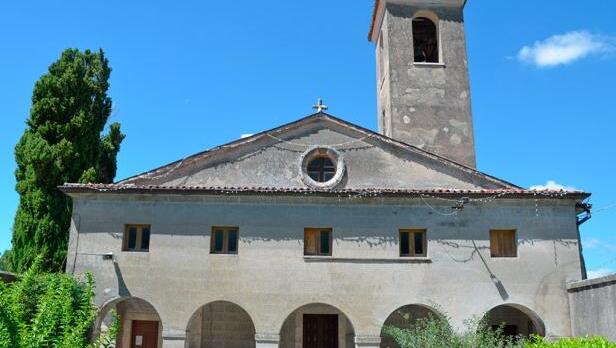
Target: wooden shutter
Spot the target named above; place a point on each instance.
(503, 243)
(310, 241)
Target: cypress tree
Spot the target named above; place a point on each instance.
(62, 143)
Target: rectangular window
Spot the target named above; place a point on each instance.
(136, 238)
(413, 243)
(224, 240)
(503, 243)
(318, 241)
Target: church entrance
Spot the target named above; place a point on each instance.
(320, 331)
(144, 334)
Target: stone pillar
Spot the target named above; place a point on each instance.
(267, 340)
(174, 338)
(367, 341)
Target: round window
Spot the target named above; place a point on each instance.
(322, 167)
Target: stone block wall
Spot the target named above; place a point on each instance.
(593, 307)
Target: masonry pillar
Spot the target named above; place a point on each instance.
(267, 340)
(174, 338)
(367, 341)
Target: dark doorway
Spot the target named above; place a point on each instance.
(508, 330)
(144, 334)
(320, 331)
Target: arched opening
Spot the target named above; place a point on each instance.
(140, 324)
(220, 324)
(515, 320)
(405, 317)
(425, 40)
(317, 325)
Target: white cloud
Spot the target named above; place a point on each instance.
(246, 135)
(552, 185)
(598, 273)
(565, 48)
(591, 243)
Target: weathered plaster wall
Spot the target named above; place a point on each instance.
(426, 105)
(365, 278)
(593, 307)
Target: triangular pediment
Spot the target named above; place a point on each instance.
(274, 159)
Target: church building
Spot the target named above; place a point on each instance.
(320, 232)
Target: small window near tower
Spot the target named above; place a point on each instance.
(503, 243)
(425, 40)
(136, 238)
(318, 242)
(224, 240)
(413, 243)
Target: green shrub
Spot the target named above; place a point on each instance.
(580, 342)
(437, 332)
(48, 310)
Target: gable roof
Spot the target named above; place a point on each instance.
(483, 195)
(149, 178)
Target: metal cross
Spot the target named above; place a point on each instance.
(319, 106)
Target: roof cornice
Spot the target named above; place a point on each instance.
(71, 189)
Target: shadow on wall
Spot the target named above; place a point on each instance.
(220, 324)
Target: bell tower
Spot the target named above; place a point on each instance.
(422, 76)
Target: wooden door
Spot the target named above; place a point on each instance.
(320, 331)
(144, 334)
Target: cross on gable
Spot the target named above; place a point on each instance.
(319, 106)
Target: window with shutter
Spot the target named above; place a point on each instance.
(318, 241)
(503, 243)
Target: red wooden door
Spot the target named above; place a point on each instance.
(144, 334)
(320, 331)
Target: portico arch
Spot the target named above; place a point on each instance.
(317, 321)
(405, 317)
(220, 324)
(139, 321)
(516, 320)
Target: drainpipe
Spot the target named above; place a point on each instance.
(583, 214)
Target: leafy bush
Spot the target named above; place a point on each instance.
(580, 342)
(48, 310)
(436, 332)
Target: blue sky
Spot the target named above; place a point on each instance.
(194, 74)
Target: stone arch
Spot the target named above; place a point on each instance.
(517, 320)
(404, 317)
(220, 324)
(131, 310)
(292, 330)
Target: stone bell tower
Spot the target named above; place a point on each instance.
(422, 76)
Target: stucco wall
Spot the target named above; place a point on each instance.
(365, 278)
(593, 307)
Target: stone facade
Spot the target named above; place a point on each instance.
(365, 279)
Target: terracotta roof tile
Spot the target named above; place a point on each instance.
(145, 189)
